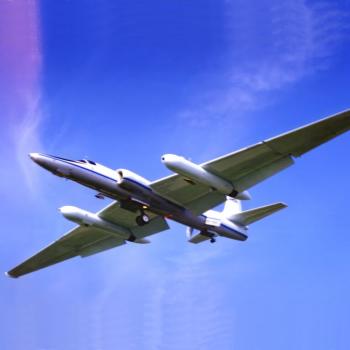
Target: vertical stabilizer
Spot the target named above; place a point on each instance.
(232, 207)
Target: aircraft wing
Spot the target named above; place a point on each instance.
(85, 241)
(249, 166)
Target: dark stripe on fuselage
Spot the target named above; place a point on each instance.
(228, 228)
(72, 162)
(138, 183)
(233, 230)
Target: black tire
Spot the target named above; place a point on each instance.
(142, 220)
(212, 240)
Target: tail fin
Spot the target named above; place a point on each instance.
(247, 217)
(232, 207)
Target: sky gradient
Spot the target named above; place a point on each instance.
(124, 82)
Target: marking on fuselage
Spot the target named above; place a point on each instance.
(138, 183)
(71, 162)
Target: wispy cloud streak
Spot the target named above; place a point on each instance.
(20, 67)
(172, 305)
(294, 40)
(193, 304)
(274, 44)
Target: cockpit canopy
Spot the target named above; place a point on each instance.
(86, 161)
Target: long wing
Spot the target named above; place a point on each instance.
(249, 166)
(85, 241)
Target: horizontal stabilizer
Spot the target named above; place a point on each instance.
(247, 217)
(201, 237)
(141, 241)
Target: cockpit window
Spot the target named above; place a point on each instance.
(60, 158)
(86, 161)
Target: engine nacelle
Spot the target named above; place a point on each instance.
(132, 182)
(200, 175)
(85, 218)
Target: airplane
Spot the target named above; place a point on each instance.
(140, 207)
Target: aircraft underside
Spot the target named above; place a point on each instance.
(140, 207)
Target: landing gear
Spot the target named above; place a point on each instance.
(212, 240)
(142, 219)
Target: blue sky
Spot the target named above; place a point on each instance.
(124, 82)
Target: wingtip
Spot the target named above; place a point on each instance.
(280, 205)
(8, 274)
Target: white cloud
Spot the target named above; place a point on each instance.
(20, 88)
(153, 304)
(274, 44)
(27, 138)
(193, 304)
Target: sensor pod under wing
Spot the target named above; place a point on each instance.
(88, 238)
(251, 165)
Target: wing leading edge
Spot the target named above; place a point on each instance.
(252, 165)
(80, 241)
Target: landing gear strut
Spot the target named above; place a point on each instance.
(142, 219)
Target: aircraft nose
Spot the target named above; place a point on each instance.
(45, 161)
(34, 156)
(39, 159)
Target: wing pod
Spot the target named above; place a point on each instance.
(196, 173)
(85, 218)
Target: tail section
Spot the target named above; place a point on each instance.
(231, 222)
(233, 212)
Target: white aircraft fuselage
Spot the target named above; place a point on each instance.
(134, 193)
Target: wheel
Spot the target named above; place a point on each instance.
(142, 219)
(212, 240)
(145, 218)
(139, 220)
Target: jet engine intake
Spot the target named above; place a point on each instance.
(132, 182)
